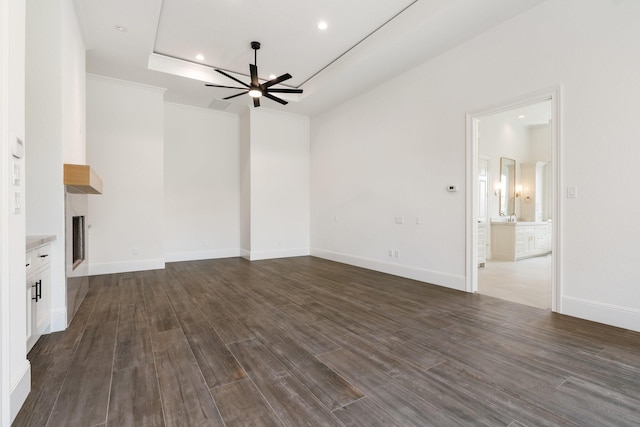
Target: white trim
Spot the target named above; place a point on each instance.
(553, 94)
(203, 73)
(125, 266)
(98, 77)
(20, 389)
(199, 255)
(615, 315)
(244, 253)
(406, 271)
(284, 253)
(58, 320)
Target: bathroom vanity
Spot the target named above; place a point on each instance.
(511, 241)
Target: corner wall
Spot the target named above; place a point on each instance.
(201, 183)
(391, 153)
(279, 177)
(125, 140)
(15, 371)
(55, 128)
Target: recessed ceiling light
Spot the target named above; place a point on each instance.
(272, 76)
(200, 57)
(120, 28)
(521, 116)
(322, 25)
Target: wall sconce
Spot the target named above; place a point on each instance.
(518, 190)
(497, 189)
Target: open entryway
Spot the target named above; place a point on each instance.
(513, 202)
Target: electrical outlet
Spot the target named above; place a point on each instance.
(396, 253)
(399, 220)
(135, 251)
(418, 220)
(391, 252)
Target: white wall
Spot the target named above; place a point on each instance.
(279, 176)
(14, 368)
(500, 137)
(391, 152)
(73, 87)
(125, 147)
(201, 183)
(245, 184)
(55, 127)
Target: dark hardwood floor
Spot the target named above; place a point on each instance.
(308, 342)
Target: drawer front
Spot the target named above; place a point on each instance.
(40, 257)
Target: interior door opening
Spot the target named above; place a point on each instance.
(513, 165)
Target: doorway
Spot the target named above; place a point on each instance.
(513, 164)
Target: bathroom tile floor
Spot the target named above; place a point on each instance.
(527, 281)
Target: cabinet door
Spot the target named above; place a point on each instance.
(32, 310)
(29, 318)
(44, 302)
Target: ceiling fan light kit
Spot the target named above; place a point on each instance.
(255, 89)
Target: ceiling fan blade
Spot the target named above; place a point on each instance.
(256, 102)
(237, 94)
(284, 90)
(276, 80)
(226, 87)
(254, 75)
(275, 98)
(232, 78)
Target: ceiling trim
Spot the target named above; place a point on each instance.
(204, 73)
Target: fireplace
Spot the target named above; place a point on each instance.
(77, 247)
(78, 240)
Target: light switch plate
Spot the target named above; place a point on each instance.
(17, 148)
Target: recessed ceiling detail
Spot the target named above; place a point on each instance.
(219, 31)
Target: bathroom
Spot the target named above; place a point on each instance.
(515, 205)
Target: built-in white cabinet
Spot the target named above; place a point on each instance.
(38, 297)
(482, 244)
(511, 241)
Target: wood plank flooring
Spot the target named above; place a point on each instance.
(308, 342)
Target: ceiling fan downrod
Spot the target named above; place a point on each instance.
(255, 46)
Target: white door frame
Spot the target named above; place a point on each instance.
(554, 95)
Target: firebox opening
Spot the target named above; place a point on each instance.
(78, 240)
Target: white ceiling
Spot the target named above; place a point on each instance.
(367, 42)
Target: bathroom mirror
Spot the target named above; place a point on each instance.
(507, 196)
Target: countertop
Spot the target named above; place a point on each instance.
(37, 241)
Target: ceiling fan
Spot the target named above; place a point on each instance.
(255, 89)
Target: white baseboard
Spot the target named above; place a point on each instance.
(125, 266)
(284, 253)
(615, 315)
(199, 255)
(245, 254)
(58, 320)
(407, 271)
(20, 390)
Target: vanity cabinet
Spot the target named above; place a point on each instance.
(511, 241)
(482, 244)
(38, 296)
